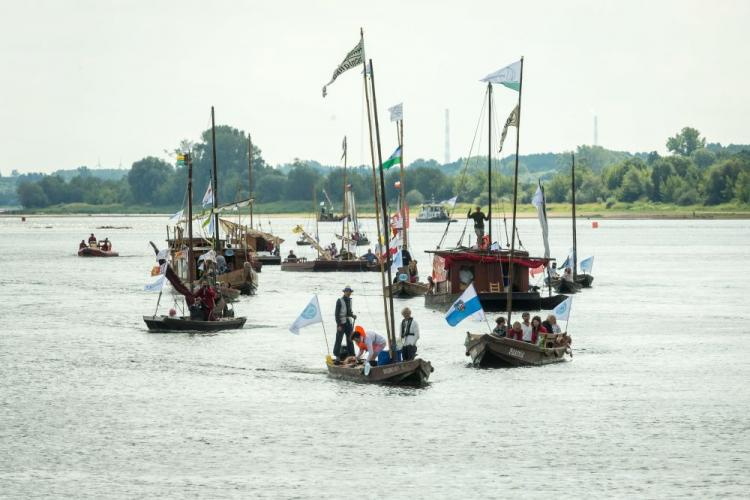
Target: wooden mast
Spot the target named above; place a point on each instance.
(215, 184)
(250, 176)
(191, 263)
(390, 320)
(345, 226)
(315, 214)
(375, 186)
(489, 162)
(573, 207)
(515, 201)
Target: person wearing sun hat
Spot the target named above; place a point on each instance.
(344, 324)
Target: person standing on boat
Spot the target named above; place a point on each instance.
(479, 217)
(92, 240)
(344, 324)
(413, 272)
(409, 335)
(372, 342)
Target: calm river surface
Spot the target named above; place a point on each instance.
(655, 403)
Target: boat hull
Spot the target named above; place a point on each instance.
(317, 266)
(488, 351)
(407, 373)
(406, 290)
(581, 281)
(268, 260)
(96, 252)
(497, 302)
(183, 324)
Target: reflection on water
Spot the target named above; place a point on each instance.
(654, 402)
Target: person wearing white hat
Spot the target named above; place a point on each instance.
(344, 324)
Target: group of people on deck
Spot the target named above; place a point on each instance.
(525, 330)
(369, 342)
(104, 246)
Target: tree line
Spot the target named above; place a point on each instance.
(695, 173)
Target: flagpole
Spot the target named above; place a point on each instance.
(489, 159)
(375, 182)
(400, 134)
(345, 225)
(250, 179)
(515, 200)
(215, 187)
(190, 262)
(391, 326)
(573, 206)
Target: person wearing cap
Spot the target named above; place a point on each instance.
(344, 322)
(409, 334)
(372, 342)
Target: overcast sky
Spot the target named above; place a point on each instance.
(109, 82)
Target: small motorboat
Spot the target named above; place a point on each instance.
(96, 252)
(163, 323)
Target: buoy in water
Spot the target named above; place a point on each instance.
(594, 224)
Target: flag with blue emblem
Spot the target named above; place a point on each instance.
(467, 305)
(310, 315)
(562, 311)
(587, 264)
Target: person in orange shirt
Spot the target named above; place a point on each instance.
(372, 342)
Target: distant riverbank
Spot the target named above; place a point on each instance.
(637, 210)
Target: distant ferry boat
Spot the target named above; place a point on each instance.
(432, 212)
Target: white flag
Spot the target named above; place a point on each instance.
(397, 112)
(176, 217)
(310, 315)
(509, 76)
(156, 285)
(355, 57)
(562, 311)
(541, 208)
(208, 198)
(398, 261)
(451, 203)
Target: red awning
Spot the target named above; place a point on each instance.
(457, 257)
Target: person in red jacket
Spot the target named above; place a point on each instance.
(207, 296)
(536, 329)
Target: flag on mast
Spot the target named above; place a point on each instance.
(309, 316)
(355, 57)
(392, 160)
(509, 76)
(587, 264)
(208, 198)
(541, 210)
(562, 311)
(343, 149)
(397, 112)
(512, 121)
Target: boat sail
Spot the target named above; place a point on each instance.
(412, 372)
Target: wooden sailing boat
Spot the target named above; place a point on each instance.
(414, 372)
(404, 289)
(491, 350)
(578, 281)
(500, 277)
(325, 262)
(166, 323)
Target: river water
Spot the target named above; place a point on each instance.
(655, 402)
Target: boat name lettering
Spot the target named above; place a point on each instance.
(516, 353)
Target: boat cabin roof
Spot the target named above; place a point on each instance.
(463, 255)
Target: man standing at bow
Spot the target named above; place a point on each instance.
(344, 325)
(409, 335)
(479, 218)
